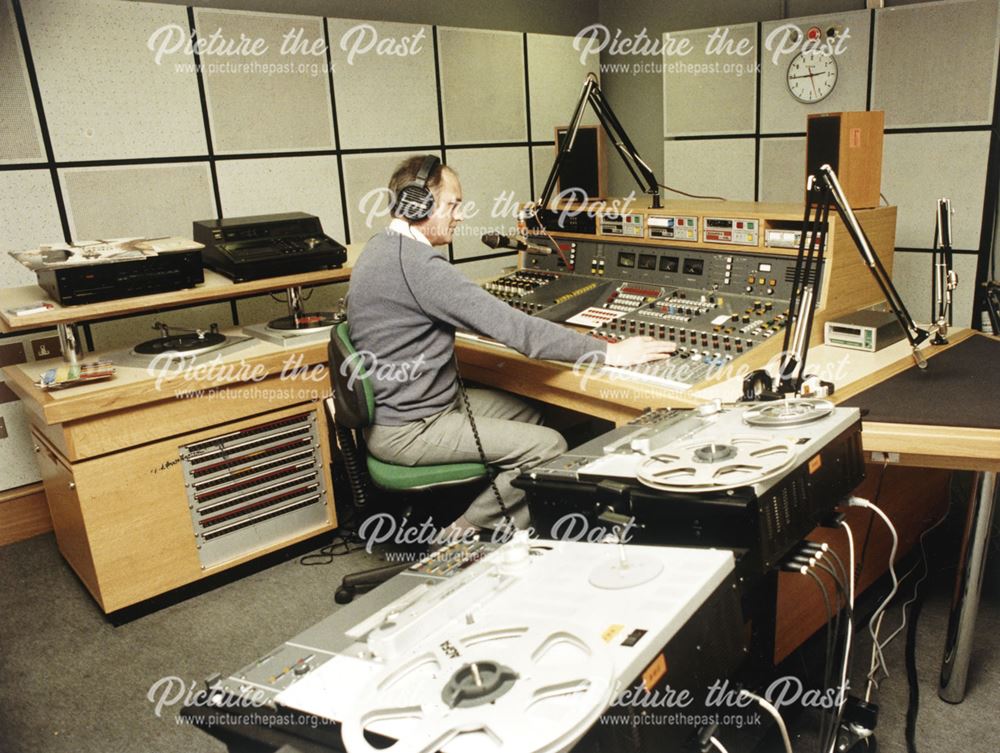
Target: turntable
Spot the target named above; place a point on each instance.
(180, 342)
(299, 327)
(753, 477)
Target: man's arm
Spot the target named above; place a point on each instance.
(448, 295)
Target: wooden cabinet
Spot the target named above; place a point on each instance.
(123, 519)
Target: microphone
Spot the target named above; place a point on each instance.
(495, 240)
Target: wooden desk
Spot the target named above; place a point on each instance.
(110, 452)
(110, 456)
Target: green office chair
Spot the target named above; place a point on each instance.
(354, 410)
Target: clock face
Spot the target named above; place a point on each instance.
(811, 76)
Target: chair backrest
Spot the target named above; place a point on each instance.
(353, 396)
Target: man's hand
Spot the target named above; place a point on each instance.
(637, 350)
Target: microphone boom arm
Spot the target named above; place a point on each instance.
(944, 280)
(824, 191)
(641, 172)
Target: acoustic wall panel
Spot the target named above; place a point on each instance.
(494, 182)
(274, 101)
(29, 217)
(283, 184)
(713, 88)
(20, 138)
(482, 86)
(556, 72)
(106, 94)
(366, 180)
(542, 158)
(782, 169)
(920, 168)
(717, 167)
(849, 38)
(137, 200)
(383, 75)
(911, 274)
(935, 64)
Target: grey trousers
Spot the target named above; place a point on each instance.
(512, 436)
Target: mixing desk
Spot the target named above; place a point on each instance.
(716, 306)
(714, 277)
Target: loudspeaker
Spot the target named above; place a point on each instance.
(415, 201)
(583, 167)
(851, 143)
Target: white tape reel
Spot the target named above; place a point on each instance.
(788, 412)
(708, 465)
(520, 688)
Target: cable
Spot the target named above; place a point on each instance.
(849, 631)
(873, 665)
(859, 502)
(490, 470)
(923, 562)
(871, 520)
(774, 713)
(910, 659)
(691, 195)
(824, 732)
(717, 745)
(347, 542)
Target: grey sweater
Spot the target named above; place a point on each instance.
(405, 303)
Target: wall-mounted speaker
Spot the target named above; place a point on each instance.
(583, 167)
(851, 143)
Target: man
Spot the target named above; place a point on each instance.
(406, 302)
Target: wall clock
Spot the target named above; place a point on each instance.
(811, 76)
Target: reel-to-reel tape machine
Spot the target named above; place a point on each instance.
(529, 647)
(757, 477)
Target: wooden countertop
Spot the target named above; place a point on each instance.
(135, 385)
(215, 288)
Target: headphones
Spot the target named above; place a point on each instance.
(415, 201)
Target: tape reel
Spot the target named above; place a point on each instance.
(525, 688)
(709, 465)
(788, 412)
